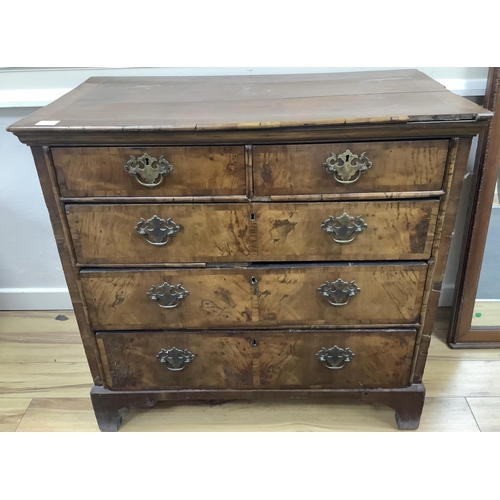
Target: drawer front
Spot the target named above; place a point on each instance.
(170, 233)
(221, 361)
(271, 360)
(309, 359)
(254, 297)
(184, 171)
(144, 234)
(402, 230)
(358, 167)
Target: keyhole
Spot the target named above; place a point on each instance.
(346, 157)
(253, 280)
(252, 217)
(146, 161)
(254, 343)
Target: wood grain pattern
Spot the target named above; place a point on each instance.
(255, 297)
(396, 166)
(40, 348)
(456, 377)
(382, 359)
(14, 322)
(41, 136)
(224, 103)
(52, 380)
(198, 171)
(222, 361)
(439, 415)
(283, 360)
(12, 411)
(59, 415)
(486, 412)
(401, 230)
(77, 415)
(105, 234)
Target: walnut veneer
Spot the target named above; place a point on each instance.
(254, 237)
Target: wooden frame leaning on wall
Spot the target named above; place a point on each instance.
(461, 334)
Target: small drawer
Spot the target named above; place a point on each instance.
(357, 167)
(167, 233)
(132, 360)
(150, 171)
(247, 360)
(270, 296)
(397, 230)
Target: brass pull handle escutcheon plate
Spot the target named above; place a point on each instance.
(347, 167)
(175, 359)
(167, 296)
(335, 358)
(148, 170)
(338, 292)
(157, 231)
(344, 228)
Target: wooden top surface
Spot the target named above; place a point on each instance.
(113, 104)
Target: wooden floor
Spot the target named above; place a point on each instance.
(45, 384)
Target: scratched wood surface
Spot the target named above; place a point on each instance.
(247, 360)
(197, 171)
(255, 297)
(396, 166)
(248, 102)
(135, 366)
(50, 408)
(401, 230)
(107, 235)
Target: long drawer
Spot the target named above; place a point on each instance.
(250, 360)
(357, 167)
(260, 296)
(151, 172)
(172, 233)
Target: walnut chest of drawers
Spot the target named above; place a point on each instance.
(254, 237)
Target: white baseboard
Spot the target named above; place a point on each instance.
(34, 299)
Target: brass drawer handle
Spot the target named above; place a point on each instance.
(338, 292)
(345, 167)
(335, 358)
(166, 295)
(157, 231)
(148, 168)
(344, 228)
(175, 359)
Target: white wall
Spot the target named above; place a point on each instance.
(30, 270)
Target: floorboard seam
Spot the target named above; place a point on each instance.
(24, 414)
(474, 416)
